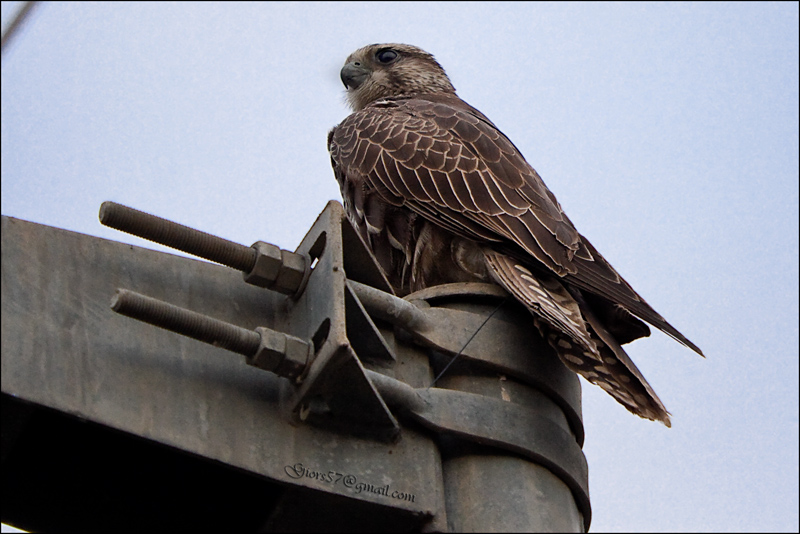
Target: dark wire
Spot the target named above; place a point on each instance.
(446, 367)
(16, 24)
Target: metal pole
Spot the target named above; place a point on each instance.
(490, 488)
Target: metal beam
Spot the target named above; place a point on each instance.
(64, 348)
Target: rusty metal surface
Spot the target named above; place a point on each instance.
(62, 347)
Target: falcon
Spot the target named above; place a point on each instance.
(441, 195)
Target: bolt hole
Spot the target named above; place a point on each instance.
(321, 335)
(316, 250)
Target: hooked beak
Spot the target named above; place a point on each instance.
(353, 75)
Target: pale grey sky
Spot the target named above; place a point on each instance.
(668, 132)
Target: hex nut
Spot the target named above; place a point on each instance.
(271, 351)
(267, 267)
(298, 353)
(280, 353)
(292, 273)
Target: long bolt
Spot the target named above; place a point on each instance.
(177, 236)
(186, 322)
(390, 308)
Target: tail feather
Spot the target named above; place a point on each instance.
(579, 338)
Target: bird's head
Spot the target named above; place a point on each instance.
(383, 70)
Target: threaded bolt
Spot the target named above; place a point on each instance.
(177, 236)
(186, 322)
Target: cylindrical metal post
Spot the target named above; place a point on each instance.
(487, 488)
(490, 490)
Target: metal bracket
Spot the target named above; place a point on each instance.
(525, 430)
(333, 335)
(309, 343)
(496, 343)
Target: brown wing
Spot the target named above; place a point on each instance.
(446, 162)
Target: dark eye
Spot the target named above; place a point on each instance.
(386, 56)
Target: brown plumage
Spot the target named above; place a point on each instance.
(441, 195)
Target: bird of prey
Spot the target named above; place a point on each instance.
(441, 195)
